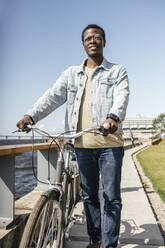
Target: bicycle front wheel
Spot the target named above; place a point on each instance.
(44, 227)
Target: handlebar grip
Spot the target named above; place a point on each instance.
(106, 125)
(104, 129)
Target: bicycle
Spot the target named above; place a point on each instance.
(51, 216)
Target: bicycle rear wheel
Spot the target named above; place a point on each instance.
(44, 228)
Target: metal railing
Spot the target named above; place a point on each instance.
(7, 174)
(18, 137)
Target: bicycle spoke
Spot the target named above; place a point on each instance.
(51, 234)
(43, 226)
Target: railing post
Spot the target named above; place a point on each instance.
(7, 183)
(42, 166)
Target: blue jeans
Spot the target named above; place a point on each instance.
(108, 162)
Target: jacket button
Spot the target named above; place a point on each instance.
(81, 85)
(73, 127)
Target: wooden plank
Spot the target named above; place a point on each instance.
(16, 149)
(26, 203)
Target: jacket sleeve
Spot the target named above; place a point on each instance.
(121, 95)
(51, 99)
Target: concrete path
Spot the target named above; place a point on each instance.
(139, 228)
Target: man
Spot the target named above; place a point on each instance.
(96, 92)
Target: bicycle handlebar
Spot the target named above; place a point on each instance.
(103, 130)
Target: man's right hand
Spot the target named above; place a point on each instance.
(26, 118)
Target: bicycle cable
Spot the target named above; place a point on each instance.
(59, 148)
(33, 167)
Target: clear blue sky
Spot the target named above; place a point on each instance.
(41, 38)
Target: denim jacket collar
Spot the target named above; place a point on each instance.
(103, 65)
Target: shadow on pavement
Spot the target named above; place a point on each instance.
(130, 189)
(147, 234)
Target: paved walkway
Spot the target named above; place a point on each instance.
(139, 228)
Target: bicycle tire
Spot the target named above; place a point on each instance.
(44, 228)
(72, 195)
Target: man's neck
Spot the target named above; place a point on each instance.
(93, 62)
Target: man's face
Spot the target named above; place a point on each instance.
(93, 42)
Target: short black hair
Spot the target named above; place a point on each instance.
(92, 26)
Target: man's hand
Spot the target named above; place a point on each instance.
(113, 126)
(26, 118)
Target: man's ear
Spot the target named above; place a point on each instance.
(104, 42)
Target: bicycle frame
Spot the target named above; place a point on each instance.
(55, 206)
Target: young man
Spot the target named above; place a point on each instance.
(96, 92)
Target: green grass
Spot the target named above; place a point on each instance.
(152, 161)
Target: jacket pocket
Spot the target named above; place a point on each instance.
(106, 87)
(71, 94)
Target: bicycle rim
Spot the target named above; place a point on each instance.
(44, 227)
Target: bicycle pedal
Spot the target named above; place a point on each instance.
(79, 219)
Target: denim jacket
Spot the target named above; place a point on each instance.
(109, 94)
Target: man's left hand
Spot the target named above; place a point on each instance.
(113, 126)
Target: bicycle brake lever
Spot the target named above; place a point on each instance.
(26, 127)
(17, 131)
(104, 129)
